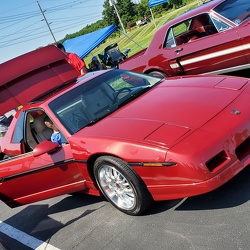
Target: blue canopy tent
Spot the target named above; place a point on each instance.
(152, 3)
(83, 45)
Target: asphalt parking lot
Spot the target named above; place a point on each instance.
(216, 220)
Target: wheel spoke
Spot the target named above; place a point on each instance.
(117, 187)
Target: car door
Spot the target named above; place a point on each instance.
(215, 51)
(36, 176)
(243, 31)
(238, 12)
(37, 169)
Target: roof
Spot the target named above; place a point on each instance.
(206, 7)
(83, 45)
(152, 3)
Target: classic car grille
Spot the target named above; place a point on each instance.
(216, 161)
(243, 150)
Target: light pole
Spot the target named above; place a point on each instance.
(46, 22)
(112, 3)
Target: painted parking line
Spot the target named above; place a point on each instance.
(24, 238)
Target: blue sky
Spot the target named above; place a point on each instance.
(22, 27)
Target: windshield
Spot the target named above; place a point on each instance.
(93, 100)
(236, 11)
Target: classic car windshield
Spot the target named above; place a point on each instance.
(97, 98)
(235, 10)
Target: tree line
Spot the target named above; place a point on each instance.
(129, 12)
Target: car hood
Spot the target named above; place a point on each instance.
(168, 112)
(24, 79)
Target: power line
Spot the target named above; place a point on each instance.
(13, 20)
(22, 28)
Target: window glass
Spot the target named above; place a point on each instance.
(174, 35)
(236, 11)
(170, 41)
(220, 25)
(181, 28)
(92, 101)
(191, 29)
(19, 131)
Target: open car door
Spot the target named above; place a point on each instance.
(46, 172)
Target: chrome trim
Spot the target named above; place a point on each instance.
(228, 70)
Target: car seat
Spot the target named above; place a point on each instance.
(42, 132)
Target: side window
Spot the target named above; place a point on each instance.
(170, 41)
(177, 34)
(190, 30)
(24, 132)
(18, 135)
(181, 28)
(219, 24)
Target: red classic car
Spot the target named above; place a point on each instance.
(212, 38)
(133, 137)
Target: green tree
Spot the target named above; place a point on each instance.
(127, 10)
(142, 9)
(109, 15)
(176, 3)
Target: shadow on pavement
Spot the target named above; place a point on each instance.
(232, 194)
(35, 219)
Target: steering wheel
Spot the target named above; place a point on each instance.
(123, 92)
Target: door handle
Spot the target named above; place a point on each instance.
(178, 50)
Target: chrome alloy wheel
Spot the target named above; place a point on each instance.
(116, 187)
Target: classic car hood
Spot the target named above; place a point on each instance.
(24, 79)
(165, 114)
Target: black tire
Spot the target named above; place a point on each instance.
(158, 74)
(121, 186)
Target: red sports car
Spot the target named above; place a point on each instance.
(133, 137)
(212, 38)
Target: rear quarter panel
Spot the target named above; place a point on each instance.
(136, 62)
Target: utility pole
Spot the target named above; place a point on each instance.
(112, 3)
(46, 22)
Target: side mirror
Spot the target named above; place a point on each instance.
(45, 147)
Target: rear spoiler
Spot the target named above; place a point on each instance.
(31, 75)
